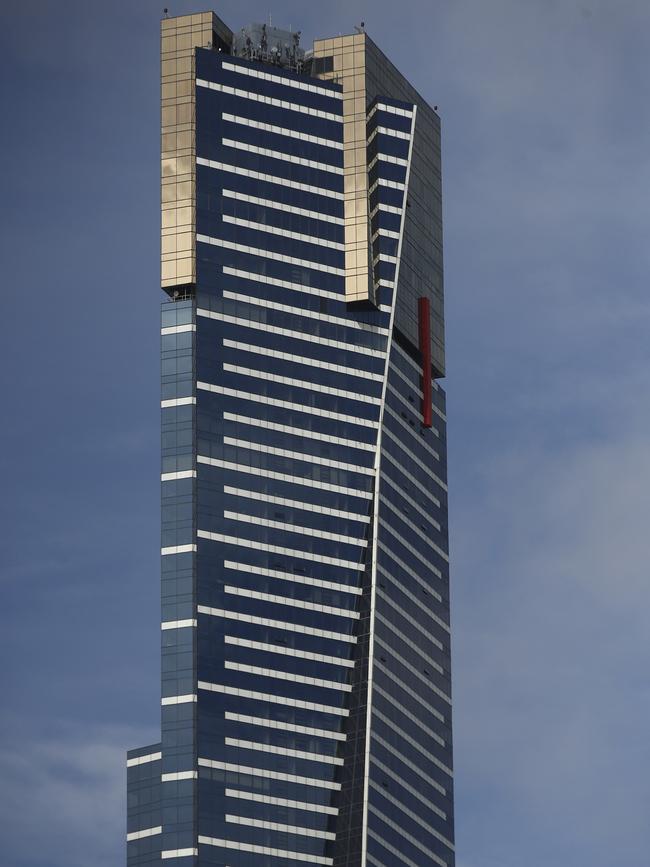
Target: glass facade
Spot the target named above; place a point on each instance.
(306, 702)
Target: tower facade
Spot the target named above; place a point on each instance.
(306, 702)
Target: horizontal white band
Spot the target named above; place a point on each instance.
(284, 80)
(269, 851)
(291, 576)
(147, 832)
(294, 603)
(277, 624)
(176, 776)
(283, 284)
(305, 361)
(290, 332)
(177, 329)
(177, 401)
(289, 527)
(279, 827)
(259, 671)
(280, 725)
(279, 155)
(293, 504)
(307, 314)
(270, 775)
(283, 131)
(271, 698)
(283, 477)
(282, 751)
(281, 802)
(279, 549)
(269, 254)
(177, 624)
(177, 476)
(178, 699)
(179, 853)
(143, 760)
(281, 206)
(178, 549)
(269, 179)
(268, 100)
(307, 385)
(298, 456)
(285, 404)
(284, 233)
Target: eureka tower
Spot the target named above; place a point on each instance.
(306, 700)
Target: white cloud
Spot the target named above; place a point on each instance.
(63, 794)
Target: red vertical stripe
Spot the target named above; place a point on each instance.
(424, 333)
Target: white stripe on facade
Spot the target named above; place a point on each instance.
(272, 698)
(289, 527)
(283, 131)
(300, 383)
(290, 601)
(414, 433)
(415, 792)
(269, 179)
(146, 832)
(307, 314)
(175, 776)
(385, 130)
(295, 504)
(402, 469)
(283, 477)
(177, 624)
(259, 671)
(399, 682)
(281, 802)
(400, 852)
(283, 284)
(298, 456)
(407, 713)
(290, 576)
(284, 404)
(414, 551)
(280, 725)
(409, 499)
(177, 476)
(282, 751)
(303, 360)
(269, 851)
(419, 747)
(416, 459)
(276, 624)
(177, 329)
(280, 155)
(279, 827)
(422, 629)
(179, 853)
(397, 657)
(275, 205)
(269, 254)
(287, 332)
(284, 233)
(395, 753)
(268, 774)
(269, 100)
(419, 819)
(299, 84)
(178, 549)
(177, 401)
(278, 549)
(143, 760)
(178, 699)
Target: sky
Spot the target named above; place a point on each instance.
(546, 178)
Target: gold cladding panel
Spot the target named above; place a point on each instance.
(350, 71)
(179, 37)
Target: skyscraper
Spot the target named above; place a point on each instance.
(306, 710)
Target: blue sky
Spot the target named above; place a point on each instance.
(546, 149)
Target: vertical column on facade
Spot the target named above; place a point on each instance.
(179, 37)
(349, 69)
